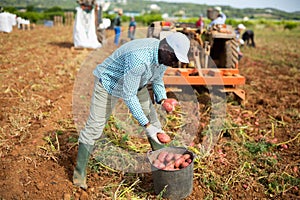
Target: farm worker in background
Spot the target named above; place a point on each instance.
(19, 22)
(84, 31)
(131, 28)
(220, 19)
(238, 31)
(118, 26)
(125, 75)
(200, 23)
(248, 38)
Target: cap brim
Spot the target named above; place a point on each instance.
(182, 58)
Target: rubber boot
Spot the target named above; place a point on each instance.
(79, 176)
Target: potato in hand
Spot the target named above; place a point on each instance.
(163, 138)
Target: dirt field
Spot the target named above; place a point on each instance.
(38, 137)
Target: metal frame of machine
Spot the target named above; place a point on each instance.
(217, 44)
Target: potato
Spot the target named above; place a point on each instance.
(161, 166)
(169, 157)
(168, 107)
(166, 168)
(178, 162)
(177, 156)
(171, 163)
(186, 156)
(184, 164)
(162, 155)
(156, 163)
(171, 101)
(169, 167)
(163, 138)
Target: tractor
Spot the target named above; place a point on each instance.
(213, 57)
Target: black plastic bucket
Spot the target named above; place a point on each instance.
(173, 184)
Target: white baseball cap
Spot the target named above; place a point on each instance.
(180, 44)
(241, 26)
(218, 8)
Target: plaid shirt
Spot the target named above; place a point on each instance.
(130, 68)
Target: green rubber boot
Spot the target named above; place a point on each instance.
(79, 176)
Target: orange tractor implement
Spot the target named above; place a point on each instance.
(213, 58)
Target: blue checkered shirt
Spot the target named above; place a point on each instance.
(130, 68)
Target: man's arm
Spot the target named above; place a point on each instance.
(159, 86)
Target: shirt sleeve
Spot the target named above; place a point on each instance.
(159, 86)
(131, 85)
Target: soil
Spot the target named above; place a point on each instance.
(38, 71)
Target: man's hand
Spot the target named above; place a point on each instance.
(151, 131)
(169, 104)
(157, 134)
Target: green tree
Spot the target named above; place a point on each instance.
(54, 9)
(10, 9)
(30, 8)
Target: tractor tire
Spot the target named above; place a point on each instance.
(231, 55)
(235, 54)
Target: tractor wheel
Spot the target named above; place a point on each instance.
(235, 55)
(231, 53)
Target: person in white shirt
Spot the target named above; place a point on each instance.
(238, 31)
(220, 19)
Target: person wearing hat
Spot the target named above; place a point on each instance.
(220, 19)
(125, 75)
(238, 31)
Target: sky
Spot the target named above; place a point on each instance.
(285, 5)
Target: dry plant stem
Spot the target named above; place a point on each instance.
(130, 188)
(127, 189)
(58, 146)
(106, 167)
(32, 161)
(116, 192)
(291, 140)
(72, 147)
